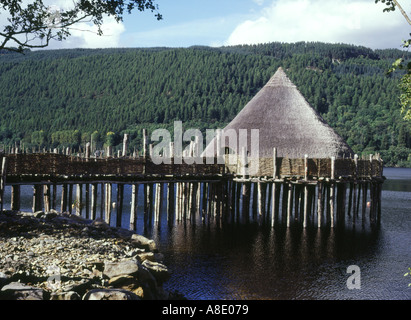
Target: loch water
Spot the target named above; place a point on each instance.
(251, 261)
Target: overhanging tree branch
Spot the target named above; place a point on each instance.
(39, 22)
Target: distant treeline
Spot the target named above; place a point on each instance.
(56, 98)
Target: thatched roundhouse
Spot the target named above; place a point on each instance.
(286, 121)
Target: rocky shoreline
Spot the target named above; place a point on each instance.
(59, 256)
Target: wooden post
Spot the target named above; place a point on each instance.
(120, 196)
(87, 191)
(145, 143)
(79, 196)
(102, 200)
(193, 200)
(158, 202)
(3, 181)
(47, 200)
(332, 188)
(237, 200)
(108, 203)
(134, 204)
(88, 147)
(354, 205)
(319, 205)
(246, 202)
(364, 200)
(125, 144)
(177, 201)
(204, 200)
(273, 196)
(37, 197)
(305, 191)
(150, 203)
(93, 200)
(170, 202)
(145, 212)
(53, 196)
(289, 203)
(15, 197)
(350, 199)
(70, 198)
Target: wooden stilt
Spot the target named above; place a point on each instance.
(237, 201)
(320, 204)
(47, 199)
(255, 200)
(93, 200)
(108, 203)
(204, 201)
(15, 197)
(3, 181)
(102, 200)
(37, 197)
(134, 204)
(364, 201)
(63, 203)
(70, 198)
(79, 199)
(53, 196)
(87, 201)
(170, 202)
(289, 203)
(120, 196)
(274, 188)
(246, 202)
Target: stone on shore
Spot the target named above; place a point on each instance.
(110, 294)
(115, 269)
(20, 291)
(144, 243)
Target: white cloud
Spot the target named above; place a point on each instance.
(259, 2)
(83, 34)
(357, 22)
(208, 31)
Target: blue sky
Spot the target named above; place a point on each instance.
(231, 22)
(228, 22)
(187, 23)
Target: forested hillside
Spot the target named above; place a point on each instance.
(61, 98)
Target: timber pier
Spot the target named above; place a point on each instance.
(281, 191)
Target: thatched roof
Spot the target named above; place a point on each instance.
(286, 121)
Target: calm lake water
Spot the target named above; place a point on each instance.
(232, 262)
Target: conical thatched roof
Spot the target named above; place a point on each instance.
(286, 121)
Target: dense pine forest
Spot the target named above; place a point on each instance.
(65, 98)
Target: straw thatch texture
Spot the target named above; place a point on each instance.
(287, 122)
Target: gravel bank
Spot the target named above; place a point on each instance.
(65, 257)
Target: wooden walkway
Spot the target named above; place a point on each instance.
(320, 192)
